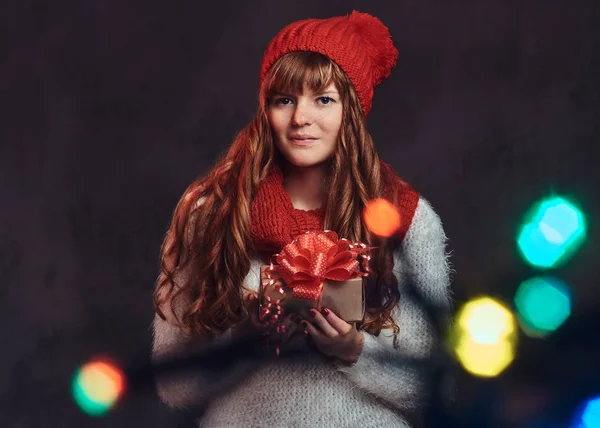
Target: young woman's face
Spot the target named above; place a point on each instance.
(306, 126)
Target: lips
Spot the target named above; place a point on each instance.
(302, 140)
(302, 137)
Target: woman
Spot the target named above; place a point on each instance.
(305, 162)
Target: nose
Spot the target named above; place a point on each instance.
(302, 115)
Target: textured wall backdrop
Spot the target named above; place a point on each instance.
(110, 108)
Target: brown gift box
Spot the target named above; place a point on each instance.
(344, 298)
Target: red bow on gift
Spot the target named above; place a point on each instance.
(315, 256)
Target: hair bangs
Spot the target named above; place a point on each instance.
(296, 71)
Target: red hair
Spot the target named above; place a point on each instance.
(205, 255)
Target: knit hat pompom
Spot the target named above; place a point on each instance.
(379, 44)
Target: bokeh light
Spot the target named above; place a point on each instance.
(543, 305)
(588, 415)
(485, 360)
(484, 337)
(552, 232)
(381, 217)
(97, 386)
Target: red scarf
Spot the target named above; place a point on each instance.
(275, 221)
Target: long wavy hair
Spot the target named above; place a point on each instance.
(206, 252)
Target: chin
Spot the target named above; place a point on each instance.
(302, 158)
(305, 163)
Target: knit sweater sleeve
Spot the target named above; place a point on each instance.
(168, 339)
(189, 388)
(421, 259)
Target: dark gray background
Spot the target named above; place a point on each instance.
(111, 108)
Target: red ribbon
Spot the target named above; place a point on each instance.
(304, 265)
(314, 257)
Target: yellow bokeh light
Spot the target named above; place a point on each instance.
(486, 320)
(485, 336)
(486, 360)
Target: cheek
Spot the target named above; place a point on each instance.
(333, 127)
(278, 122)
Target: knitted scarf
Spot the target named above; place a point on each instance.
(275, 222)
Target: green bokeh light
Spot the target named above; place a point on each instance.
(83, 400)
(97, 386)
(552, 232)
(543, 305)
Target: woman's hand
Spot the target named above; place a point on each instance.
(335, 337)
(252, 324)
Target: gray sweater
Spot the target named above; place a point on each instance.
(373, 392)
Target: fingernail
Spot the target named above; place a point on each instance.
(312, 313)
(326, 311)
(304, 323)
(306, 332)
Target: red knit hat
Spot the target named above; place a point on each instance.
(359, 43)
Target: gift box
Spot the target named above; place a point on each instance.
(316, 270)
(344, 298)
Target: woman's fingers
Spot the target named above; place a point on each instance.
(313, 331)
(323, 323)
(336, 322)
